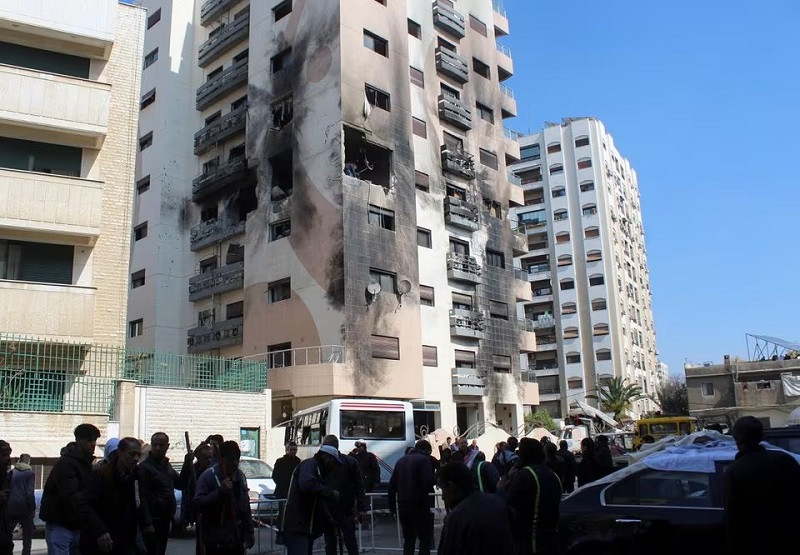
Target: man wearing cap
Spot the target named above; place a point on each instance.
(305, 516)
(368, 463)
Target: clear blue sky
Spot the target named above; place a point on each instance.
(703, 97)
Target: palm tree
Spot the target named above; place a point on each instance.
(617, 396)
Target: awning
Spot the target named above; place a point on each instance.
(595, 413)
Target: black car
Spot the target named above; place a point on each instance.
(787, 438)
(666, 503)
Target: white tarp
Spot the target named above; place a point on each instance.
(791, 385)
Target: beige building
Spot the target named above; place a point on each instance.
(326, 189)
(69, 88)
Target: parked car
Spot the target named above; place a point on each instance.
(787, 438)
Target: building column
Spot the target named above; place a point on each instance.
(126, 407)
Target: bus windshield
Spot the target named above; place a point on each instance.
(358, 424)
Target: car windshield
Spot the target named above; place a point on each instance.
(255, 469)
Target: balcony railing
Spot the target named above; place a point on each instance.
(461, 213)
(221, 84)
(533, 224)
(546, 365)
(213, 8)
(538, 268)
(462, 267)
(537, 246)
(498, 7)
(304, 356)
(525, 324)
(506, 91)
(218, 131)
(448, 19)
(216, 282)
(511, 134)
(215, 179)
(520, 274)
(542, 291)
(455, 111)
(528, 376)
(218, 335)
(467, 323)
(514, 179)
(228, 36)
(503, 49)
(469, 382)
(450, 63)
(214, 231)
(458, 162)
(543, 322)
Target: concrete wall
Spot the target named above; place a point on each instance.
(43, 435)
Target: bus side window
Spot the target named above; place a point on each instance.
(683, 428)
(323, 423)
(643, 431)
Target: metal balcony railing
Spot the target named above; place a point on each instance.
(511, 134)
(448, 19)
(228, 36)
(455, 111)
(451, 64)
(218, 335)
(525, 324)
(538, 268)
(503, 49)
(213, 8)
(498, 7)
(214, 231)
(215, 179)
(221, 84)
(468, 381)
(222, 280)
(514, 179)
(520, 274)
(461, 213)
(220, 130)
(467, 323)
(542, 291)
(506, 91)
(303, 356)
(463, 267)
(458, 162)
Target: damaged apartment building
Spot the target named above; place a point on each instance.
(324, 186)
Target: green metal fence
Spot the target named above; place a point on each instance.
(46, 376)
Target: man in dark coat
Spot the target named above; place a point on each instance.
(350, 507)
(21, 500)
(223, 505)
(485, 475)
(570, 466)
(761, 486)
(158, 482)
(63, 499)
(6, 527)
(533, 494)
(476, 522)
(283, 469)
(115, 517)
(368, 463)
(410, 487)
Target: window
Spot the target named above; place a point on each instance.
(421, 181)
(560, 215)
(140, 231)
(137, 279)
(377, 97)
(136, 327)
(387, 280)
(450, 92)
(151, 58)
(279, 355)
(36, 262)
(485, 112)
(209, 213)
(565, 260)
(501, 363)
(562, 237)
(488, 158)
(459, 247)
(424, 237)
(43, 60)
(584, 163)
(146, 141)
(429, 356)
(381, 217)
(282, 112)
(477, 25)
(574, 383)
(417, 77)
(143, 185)
(419, 128)
(567, 284)
(385, 347)
(414, 29)
(552, 148)
(530, 152)
(603, 354)
(594, 256)
(495, 258)
(570, 333)
(600, 329)
(598, 304)
(707, 389)
(280, 230)
(446, 45)
(282, 182)
(464, 359)
(581, 141)
(569, 308)
(559, 192)
(556, 169)
(208, 264)
(662, 488)
(596, 279)
(360, 424)
(426, 297)
(591, 232)
(498, 309)
(280, 290)
(587, 186)
(493, 208)
(154, 18)
(589, 209)
(281, 10)
(533, 175)
(280, 60)
(461, 301)
(481, 68)
(147, 99)
(376, 43)
(573, 358)
(234, 310)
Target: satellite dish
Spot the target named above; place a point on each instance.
(374, 288)
(404, 286)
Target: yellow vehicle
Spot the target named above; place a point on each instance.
(663, 426)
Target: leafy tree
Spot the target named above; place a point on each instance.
(673, 397)
(540, 419)
(618, 397)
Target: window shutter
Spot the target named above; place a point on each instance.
(465, 356)
(497, 308)
(460, 298)
(429, 356)
(501, 361)
(426, 294)
(385, 347)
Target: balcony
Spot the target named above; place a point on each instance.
(536, 269)
(222, 280)
(458, 163)
(505, 64)
(530, 388)
(511, 144)
(448, 20)
(527, 335)
(219, 335)
(214, 231)
(542, 294)
(508, 105)
(217, 178)
(214, 8)
(60, 207)
(468, 382)
(461, 267)
(467, 323)
(220, 130)
(460, 213)
(543, 322)
(521, 285)
(53, 312)
(455, 111)
(228, 36)
(500, 19)
(230, 79)
(519, 239)
(65, 110)
(452, 65)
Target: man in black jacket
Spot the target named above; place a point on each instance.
(352, 503)
(761, 486)
(283, 468)
(6, 527)
(409, 497)
(64, 497)
(368, 463)
(158, 482)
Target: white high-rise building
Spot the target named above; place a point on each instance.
(587, 264)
